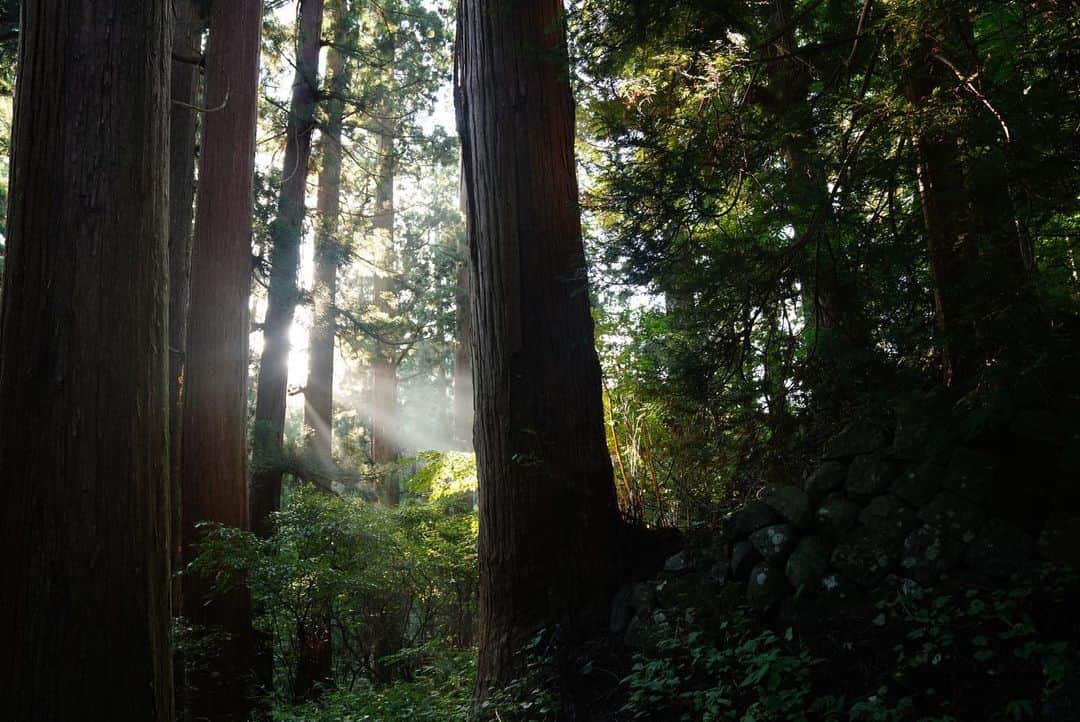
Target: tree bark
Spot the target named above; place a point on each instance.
(187, 34)
(329, 254)
(84, 367)
(463, 381)
(384, 448)
(215, 394)
(946, 215)
(314, 670)
(284, 292)
(548, 518)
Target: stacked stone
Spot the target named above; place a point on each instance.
(873, 509)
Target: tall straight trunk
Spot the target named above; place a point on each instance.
(830, 311)
(187, 34)
(84, 368)
(383, 365)
(463, 381)
(314, 669)
(329, 253)
(284, 292)
(548, 518)
(214, 413)
(946, 215)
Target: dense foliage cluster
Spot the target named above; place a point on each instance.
(765, 183)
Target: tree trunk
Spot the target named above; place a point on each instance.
(215, 394)
(548, 517)
(285, 262)
(829, 309)
(383, 366)
(946, 216)
(314, 670)
(329, 254)
(463, 381)
(187, 35)
(84, 367)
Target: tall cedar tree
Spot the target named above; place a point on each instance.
(214, 484)
(84, 595)
(284, 291)
(386, 359)
(187, 46)
(548, 518)
(315, 666)
(329, 250)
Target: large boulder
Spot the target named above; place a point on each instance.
(790, 502)
(743, 558)
(679, 563)
(889, 515)
(928, 553)
(753, 516)
(774, 543)
(865, 556)
(919, 484)
(836, 515)
(999, 550)
(869, 475)
(956, 515)
(827, 478)
(856, 438)
(970, 474)
(766, 587)
(1060, 541)
(808, 563)
(1040, 425)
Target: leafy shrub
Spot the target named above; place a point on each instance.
(394, 587)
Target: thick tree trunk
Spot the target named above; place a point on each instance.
(215, 393)
(285, 262)
(548, 517)
(84, 367)
(187, 34)
(384, 421)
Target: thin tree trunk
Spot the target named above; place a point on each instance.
(384, 449)
(463, 380)
(84, 368)
(946, 216)
(314, 670)
(285, 262)
(329, 254)
(548, 518)
(187, 34)
(215, 393)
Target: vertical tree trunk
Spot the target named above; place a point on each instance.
(329, 253)
(383, 366)
(829, 310)
(946, 216)
(285, 262)
(463, 381)
(215, 394)
(548, 517)
(187, 33)
(84, 366)
(315, 667)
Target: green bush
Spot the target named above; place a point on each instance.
(395, 587)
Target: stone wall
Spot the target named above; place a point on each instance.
(911, 500)
(884, 505)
